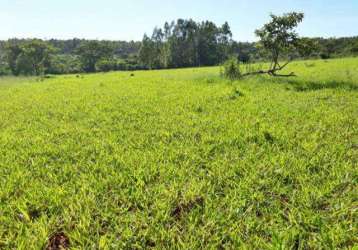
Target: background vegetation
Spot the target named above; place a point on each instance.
(183, 43)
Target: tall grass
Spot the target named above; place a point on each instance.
(180, 159)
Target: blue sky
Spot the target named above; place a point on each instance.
(130, 19)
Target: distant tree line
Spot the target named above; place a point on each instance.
(317, 48)
(183, 43)
(37, 57)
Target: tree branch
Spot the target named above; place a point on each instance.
(272, 71)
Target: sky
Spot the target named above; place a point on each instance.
(130, 19)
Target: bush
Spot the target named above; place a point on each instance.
(106, 65)
(121, 65)
(4, 70)
(130, 65)
(64, 64)
(232, 69)
(24, 65)
(244, 57)
(325, 56)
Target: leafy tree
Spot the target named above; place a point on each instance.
(330, 48)
(29, 57)
(180, 43)
(279, 39)
(355, 48)
(307, 47)
(35, 55)
(157, 40)
(147, 52)
(23, 65)
(91, 52)
(208, 44)
(64, 64)
(225, 42)
(245, 51)
(4, 69)
(186, 43)
(12, 52)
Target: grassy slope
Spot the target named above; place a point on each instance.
(181, 159)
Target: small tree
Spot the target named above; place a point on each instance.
(279, 39)
(231, 69)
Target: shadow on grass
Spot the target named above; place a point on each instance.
(302, 85)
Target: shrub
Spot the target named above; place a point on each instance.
(232, 69)
(4, 70)
(325, 56)
(106, 65)
(244, 57)
(121, 65)
(64, 64)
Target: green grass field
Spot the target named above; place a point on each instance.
(181, 159)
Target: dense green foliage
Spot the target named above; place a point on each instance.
(279, 40)
(70, 56)
(28, 58)
(92, 52)
(231, 69)
(186, 43)
(324, 48)
(121, 49)
(181, 159)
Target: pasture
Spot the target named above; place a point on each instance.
(181, 159)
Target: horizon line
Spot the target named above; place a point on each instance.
(128, 41)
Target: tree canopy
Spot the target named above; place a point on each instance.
(186, 43)
(30, 57)
(279, 39)
(91, 52)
